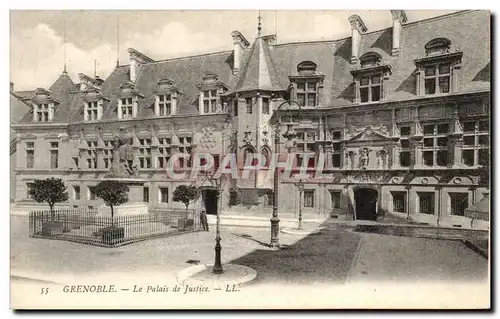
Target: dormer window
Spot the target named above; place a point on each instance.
(210, 101)
(42, 112)
(370, 88)
(165, 104)
(128, 101)
(167, 95)
(43, 106)
(438, 72)
(437, 78)
(92, 112)
(369, 79)
(306, 84)
(127, 105)
(211, 89)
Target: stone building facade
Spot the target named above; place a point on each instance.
(401, 116)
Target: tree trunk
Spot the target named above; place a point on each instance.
(112, 215)
(52, 215)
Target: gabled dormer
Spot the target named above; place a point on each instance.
(306, 84)
(166, 97)
(91, 95)
(438, 71)
(370, 78)
(128, 101)
(211, 90)
(43, 104)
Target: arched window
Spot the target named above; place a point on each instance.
(248, 152)
(266, 154)
(306, 67)
(437, 46)
(370, 59)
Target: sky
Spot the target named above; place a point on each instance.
(38, 51)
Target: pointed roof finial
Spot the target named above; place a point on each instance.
(259, 28)
(65, 71)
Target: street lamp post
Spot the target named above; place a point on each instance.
(217, 269)
(300, 186)
(275, 228)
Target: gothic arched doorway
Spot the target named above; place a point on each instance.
(366, 203)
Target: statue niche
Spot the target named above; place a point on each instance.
(364, 158)
(123, 156)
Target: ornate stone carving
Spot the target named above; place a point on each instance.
(364, 158)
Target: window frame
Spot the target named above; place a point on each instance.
(212, 101)
(311, 203)
(30, 154)
(432, 203)
(435, 148)
(369, 86)
(437, 76)
(128, 107)
(476, 133)
(454, 196)
(395, 199)
(165, 105)
(306, 91)
(144, 153)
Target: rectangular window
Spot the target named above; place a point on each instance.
(164, 194)
(30, 154)
(335, 197)
(336, 160)
(265, 105)
(145, 194)
(165, 105)
(307, 93)
(308, 198)
(127, 105)
(370, 88)
(476, 142)
(92, 155)
(144, 153)
(92, 114)
(76, 190)
(210, 101)
(233, 198)
(54, 155)
(399, 202)
(435, 150)
(437, 78)
(107, 154)
(426, 202)
(163, 152)
(28, 188)
(248, 102)
(42, 112)
(459, 202)
(92, 193)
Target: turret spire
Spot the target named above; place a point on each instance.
(259, 28)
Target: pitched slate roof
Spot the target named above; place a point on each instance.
(18, 109)
(268, 67)
(258, 71)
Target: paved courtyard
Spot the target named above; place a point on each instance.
(334, 257)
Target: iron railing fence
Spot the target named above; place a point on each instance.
(88, 227)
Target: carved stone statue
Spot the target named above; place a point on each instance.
(123, 156)
(363, 158)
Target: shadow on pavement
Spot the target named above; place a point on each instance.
(325, 257)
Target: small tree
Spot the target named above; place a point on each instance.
(113, 193)
(185, 194)
(50, 191)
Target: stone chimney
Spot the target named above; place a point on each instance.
(398, 19)
(136, 60)
(357, 29)
(240, 45)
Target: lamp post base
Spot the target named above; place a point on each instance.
(275, 230)
(217, 269)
